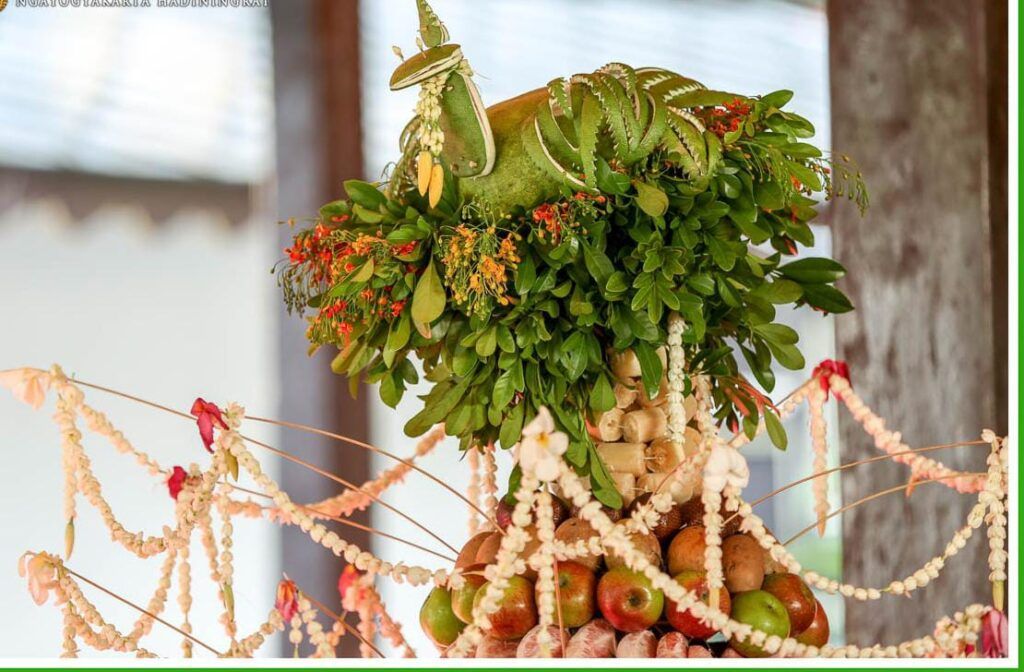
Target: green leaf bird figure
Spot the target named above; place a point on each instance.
(521, 151)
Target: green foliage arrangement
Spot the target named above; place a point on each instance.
(511, 289)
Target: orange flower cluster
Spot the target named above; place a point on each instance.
(477, 264)
(327, 257)
(722, 120)
(554, 218)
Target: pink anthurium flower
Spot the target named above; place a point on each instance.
(207, 415)
(827, 369)
(287, 602)
(995, 633)
(176, 482)
(347, 579)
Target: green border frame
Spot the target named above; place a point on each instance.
(1012, 585)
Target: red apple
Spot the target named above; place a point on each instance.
(517, 610)
(817, 632)
(462, 598)
(684, 621)
(575, 595)
(437, 619)
(796, 596)
(628, 600)
(762, 611)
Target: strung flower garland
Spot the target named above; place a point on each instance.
(921, 467)
(352, 500)
(543, 562)
(490, 479)
(819, 448)
(473, 491)
(723, 465)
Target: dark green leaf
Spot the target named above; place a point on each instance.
(364, 194)
(776, 431)
(813, 270)
(827, 298)
(777, 333)
(650, 368)
(602, 397)
(428, 300)
(779, 292)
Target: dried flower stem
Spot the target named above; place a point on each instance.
(868, 498)
(343, 521)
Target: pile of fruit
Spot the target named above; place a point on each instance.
(606, 610)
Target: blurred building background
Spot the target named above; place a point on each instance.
(146, 155)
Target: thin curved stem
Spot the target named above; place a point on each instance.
(348, 628)
(276, 451)
(875, 495)
(850, 465)
(140, 610)
(347, 522)
(379, 451)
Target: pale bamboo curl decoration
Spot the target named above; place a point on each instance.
(718, 464)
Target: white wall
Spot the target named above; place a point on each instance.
(168, 314)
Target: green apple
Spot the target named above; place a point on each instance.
(462, 598)
(762, 611)
(437, 618)
(628, 600)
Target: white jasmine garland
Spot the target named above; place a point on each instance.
(816, 408)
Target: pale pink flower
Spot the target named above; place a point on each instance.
(39, 569)
(28, 385)
(541, 448)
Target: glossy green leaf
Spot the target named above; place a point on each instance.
(428, 300)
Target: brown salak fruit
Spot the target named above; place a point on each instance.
(692, 513)
(614, 514)
(742, 563)
(576, 529)
(503, 512)
(668, 523)
(686, 550)
(644, 542)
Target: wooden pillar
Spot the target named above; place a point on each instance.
(316, 82)
(919, 100)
